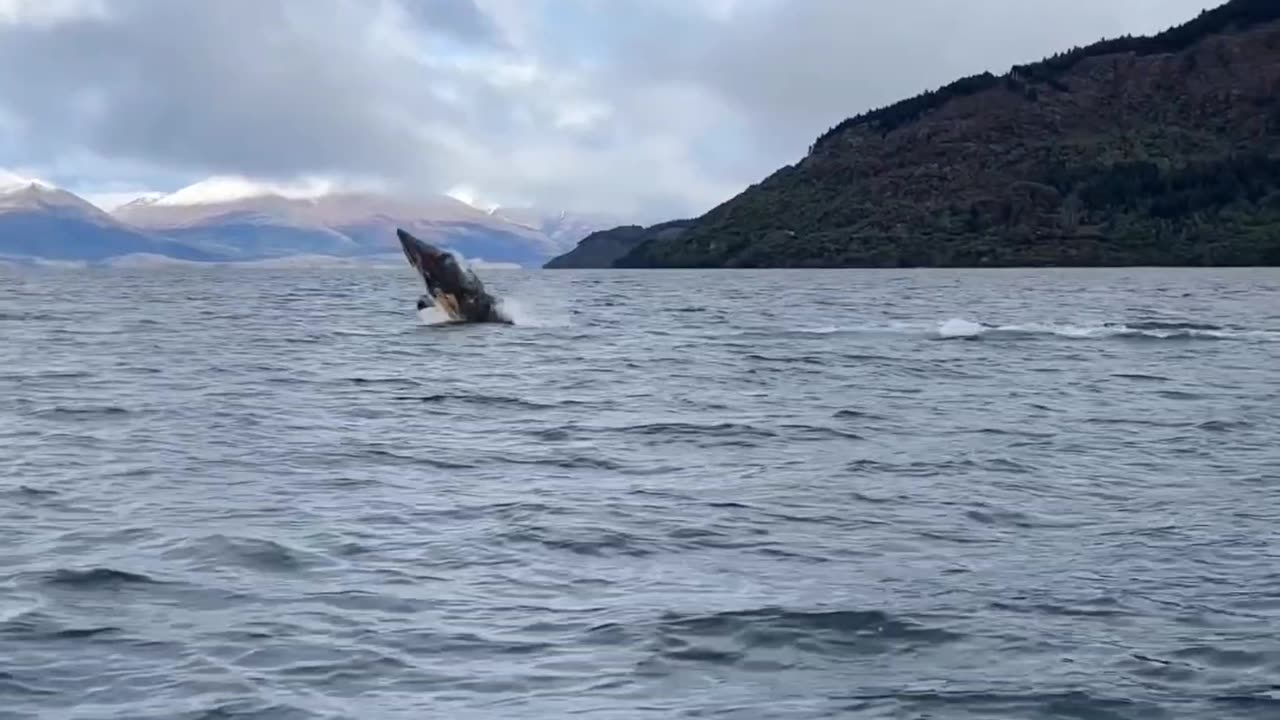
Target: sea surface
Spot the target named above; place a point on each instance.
(280, 493)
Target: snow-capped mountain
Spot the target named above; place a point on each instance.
(236, 219)
(564, 229)
(240, 219)
(41, 221)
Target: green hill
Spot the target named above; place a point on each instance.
(1161, 150)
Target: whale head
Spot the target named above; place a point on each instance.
(451, 285)
(439, 269)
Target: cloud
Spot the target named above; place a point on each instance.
(237, 86)
(460, 18)
(651, 108)
(789, 70)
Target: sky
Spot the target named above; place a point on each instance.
(644, 109)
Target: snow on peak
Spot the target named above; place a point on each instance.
(12, 182)
(466, 195)
(229, 188)
(147, 198)
(113, 201)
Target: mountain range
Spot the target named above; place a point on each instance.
(1160, 150)
(206, 223)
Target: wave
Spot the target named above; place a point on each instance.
(595, 541)
(960, 328)
(740, 637)
(388, 456)
(85, 411)
(993, 703)
(685, 428)
(96, 578)
(255, 553)
(481, 399)
(29, 624)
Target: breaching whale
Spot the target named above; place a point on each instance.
(451, 286)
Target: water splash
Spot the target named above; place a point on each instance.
(433, 315)
(960, 328)
(514, 310)
(523, 314)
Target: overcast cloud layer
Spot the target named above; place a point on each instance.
(648, 108)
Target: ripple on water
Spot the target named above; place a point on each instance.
(97, 578)
(216, 551)
(270, 493)
(769, 639)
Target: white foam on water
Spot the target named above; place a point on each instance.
(524, 315)
(433, 315)
(964, 328)
(960, 328)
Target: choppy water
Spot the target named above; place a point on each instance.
(277, 494)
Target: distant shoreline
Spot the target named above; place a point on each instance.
(393, 263)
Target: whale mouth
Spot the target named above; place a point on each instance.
(428, 260)
(433, 265)
(452, 288)
(423, 256)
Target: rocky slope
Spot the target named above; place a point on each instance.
(1160, 150)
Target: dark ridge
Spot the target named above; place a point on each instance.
(601, 249)
(855, 415)
(841, 632)
(729, 637)
(1076, 704)
(383, 381)
(1223, 425)
(248, 710)
(1234, 15)
(891, 117)
(492, 400)
(565, 462)
(680, 428)
(95, 578)
(802, 433)
(255, 553)
(46, 375)
(1061, 610)
(1141, 376)
(589, 541)
(33, 492)
(84, 411)
(10, 685)
(33, 625)
(395, 457)
(1157, 325)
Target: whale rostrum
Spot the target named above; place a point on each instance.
(451, 286)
